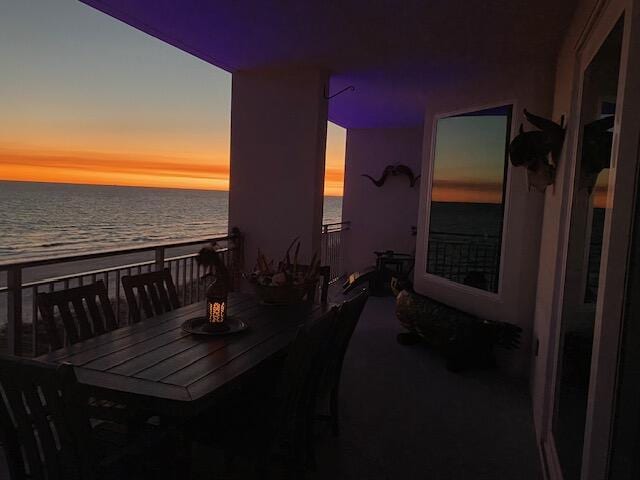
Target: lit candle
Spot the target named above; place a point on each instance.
(217, 309)
(217, 306)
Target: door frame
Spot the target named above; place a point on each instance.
(616, 240)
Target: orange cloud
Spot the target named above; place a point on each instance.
(130, 169)
(334, 182)
(466, 191)
(98, 168)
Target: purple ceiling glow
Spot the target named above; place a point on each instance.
(393, 52)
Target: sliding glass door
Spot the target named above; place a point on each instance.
(585, 385)
(589, 210)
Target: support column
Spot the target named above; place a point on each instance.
(381, 217)
(278, 141)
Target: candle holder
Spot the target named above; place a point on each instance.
(218, 290)
(216, 307)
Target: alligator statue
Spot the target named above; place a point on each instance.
(465, 340)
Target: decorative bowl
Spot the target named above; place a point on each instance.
(288, 294)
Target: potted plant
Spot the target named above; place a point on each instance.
(288, 282)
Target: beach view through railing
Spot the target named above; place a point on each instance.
(22, 280)
(466, 259)
(331, 252)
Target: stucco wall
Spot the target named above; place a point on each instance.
(381, 217)
(278, 140)
(525, 86)
(549, 285)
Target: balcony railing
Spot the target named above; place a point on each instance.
(333, 237)
(464, 258)
(21, 328)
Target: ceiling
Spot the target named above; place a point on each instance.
(392, 51)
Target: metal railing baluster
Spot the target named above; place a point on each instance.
(14, 311)
(34, 319)
(118, 297)
(191, 260)
(184, 281)
(159, 261)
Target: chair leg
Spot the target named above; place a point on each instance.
(184, 455)
(311, 460)
(229, 461)
(309, 431)
(334, 412)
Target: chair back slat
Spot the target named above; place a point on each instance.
(171, 291)
(329, 370)
(82, 322)
(68, 322)
(155, 292)
(26, 433)
(10, 440)
(33, 398)
(310, 340)
(46, 312)
(144, 301)
(84, 328)
(163, 296)
(348, 317)
(158, 306)
(43, 421)
(94, 312)
(106, 309)
(132, 303)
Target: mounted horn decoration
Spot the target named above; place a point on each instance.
(532, 150)
(394, 170)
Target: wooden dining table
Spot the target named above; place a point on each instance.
(158, 366)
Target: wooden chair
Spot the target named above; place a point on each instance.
(45, 427)
(348, 317)
(325, 275)
(324, 383)
(154, 291)
(268, 421)
(79, 323)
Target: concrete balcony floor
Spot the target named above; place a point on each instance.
(404, 416)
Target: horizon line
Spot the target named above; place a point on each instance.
(127, 186)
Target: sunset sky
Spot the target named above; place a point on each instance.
(470, 159)
(87, 99)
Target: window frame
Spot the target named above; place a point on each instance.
(506, 189)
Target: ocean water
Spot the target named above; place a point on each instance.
(481, 220)
(464, 243)
(45, 218)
